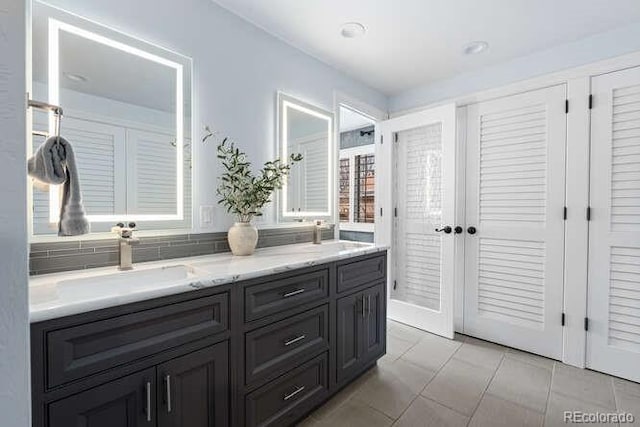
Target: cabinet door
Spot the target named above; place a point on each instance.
(374, 327)
(349, 335)
(193, 390)
(126, 402)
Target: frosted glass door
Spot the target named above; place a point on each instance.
(421, 294)
(613, 340)
(515, 196)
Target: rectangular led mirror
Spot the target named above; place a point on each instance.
(127, 115)
(308, 130)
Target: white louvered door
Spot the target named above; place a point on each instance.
(613, 340)
(151, 173)
(422, 295)
(515, 197)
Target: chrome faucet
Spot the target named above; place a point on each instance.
(126, 241)
(318, 226)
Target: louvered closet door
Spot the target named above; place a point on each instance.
(515, 196)
(151, 173)
(425, 180)
(614, 231)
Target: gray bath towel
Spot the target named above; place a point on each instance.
(54, 163)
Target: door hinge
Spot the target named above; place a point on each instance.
(588, 213)
(395, 285)
(381, 139)
(586, 323)
(395, 212)
(564, 215)
(395, 136)
(590, 101)
(566, 106)
(380, 211)
(563, 318)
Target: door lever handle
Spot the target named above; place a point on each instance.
(446, 230)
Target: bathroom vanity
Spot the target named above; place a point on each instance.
(256, 341)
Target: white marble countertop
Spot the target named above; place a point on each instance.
(63, 294)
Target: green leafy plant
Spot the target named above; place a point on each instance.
(240, 191)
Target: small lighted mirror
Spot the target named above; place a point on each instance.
(308, 130)
(127, 115)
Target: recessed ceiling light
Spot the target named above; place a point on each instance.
(78, 78)
(476, 47)
(353, 30)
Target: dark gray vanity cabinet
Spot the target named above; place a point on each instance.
(126, 402)
(193, 390)
(361, 329)
(262, 352)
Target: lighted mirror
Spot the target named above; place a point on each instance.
(308, 130)
(127, 115)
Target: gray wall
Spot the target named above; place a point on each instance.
(591, 49)
(14, 316)
(238, 68)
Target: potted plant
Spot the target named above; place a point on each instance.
(245, 194)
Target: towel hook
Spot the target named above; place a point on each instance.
(55, 109)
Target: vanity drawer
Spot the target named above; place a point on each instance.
(80, 351)
(361, 272)
(279, 295)
(285, 400)
(273, 349)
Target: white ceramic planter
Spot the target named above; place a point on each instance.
(243, 238)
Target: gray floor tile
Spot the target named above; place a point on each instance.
(385, 392)
(404, 332)
(560, 405)
(396, 347)
(342, 397)
(355, 414)
(521, 383)
(480, 353)
(427, 413)
(496, 412)
(459, 386)
(431, 352)
(532, 359)
(627, 395)
(413, 376)
(588, 386)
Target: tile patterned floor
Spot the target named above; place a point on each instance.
(426, 380)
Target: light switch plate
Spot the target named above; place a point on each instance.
(206, 215)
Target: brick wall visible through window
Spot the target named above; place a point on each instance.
(345, 188)
(364, 190)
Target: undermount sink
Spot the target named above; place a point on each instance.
(123, 282)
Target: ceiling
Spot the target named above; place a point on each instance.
(416, 42)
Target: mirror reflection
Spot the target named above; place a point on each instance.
(307, 130)
(127, 116)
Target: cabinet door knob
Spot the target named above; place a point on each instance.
(458, 229)
(471, 230)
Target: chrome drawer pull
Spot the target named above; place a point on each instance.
(292, 293)
(168, 380)
(148, 402)
(294, 340)
(292, 394)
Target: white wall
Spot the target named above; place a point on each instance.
(14, 317)
(237, 70)
(598, 47)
